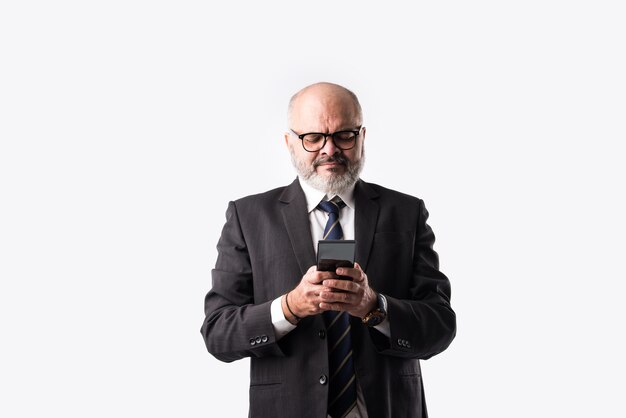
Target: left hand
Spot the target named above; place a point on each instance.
(355, 297)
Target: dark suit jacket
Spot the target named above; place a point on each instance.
(266, 248)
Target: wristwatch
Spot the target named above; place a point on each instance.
(379, 313)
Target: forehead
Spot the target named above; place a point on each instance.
(324, 110)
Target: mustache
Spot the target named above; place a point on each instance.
(337, 158)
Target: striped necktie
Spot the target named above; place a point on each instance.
(342, 382)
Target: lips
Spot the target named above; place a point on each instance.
(330, 161)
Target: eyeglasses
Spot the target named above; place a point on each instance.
(315, 141)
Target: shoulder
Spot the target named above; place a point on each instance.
(255, 199)
(386, 195)
(269, 199)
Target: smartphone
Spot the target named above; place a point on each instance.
(332, 254)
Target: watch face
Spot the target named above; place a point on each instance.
(375, 318)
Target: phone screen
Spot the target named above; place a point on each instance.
(332, 254)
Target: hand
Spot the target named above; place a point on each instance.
(355, 297)
(305, 299)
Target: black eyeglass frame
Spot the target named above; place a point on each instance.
(356, 133)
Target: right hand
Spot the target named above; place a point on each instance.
(305, 299)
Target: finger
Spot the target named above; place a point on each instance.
(325, 306)
(316, 277)
(362, 276)
(308, 276)
(344, 285)
(340, 297)
(348, 272)
(325, 275)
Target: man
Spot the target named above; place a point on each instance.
(269, 302)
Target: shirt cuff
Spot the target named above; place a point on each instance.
(282, 327)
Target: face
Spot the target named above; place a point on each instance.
(325, 109)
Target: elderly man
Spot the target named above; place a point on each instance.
(322, 346)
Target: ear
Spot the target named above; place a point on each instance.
(287, 135)
(363, 141)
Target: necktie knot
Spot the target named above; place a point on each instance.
(331, 207)
(333, 228)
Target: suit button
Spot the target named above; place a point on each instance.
(264, 338)
(252, 341)
(323, 379)
(258, 340)
(322, 334)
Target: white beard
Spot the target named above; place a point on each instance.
(331, 185)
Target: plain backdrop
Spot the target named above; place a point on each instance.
(127, 126)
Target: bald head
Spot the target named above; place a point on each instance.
(321, 103)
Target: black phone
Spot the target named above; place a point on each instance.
(332, 254)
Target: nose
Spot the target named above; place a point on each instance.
(329, 147)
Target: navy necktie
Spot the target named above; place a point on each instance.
(342, 385)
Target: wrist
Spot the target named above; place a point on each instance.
(373, 300)
(288, 310)
(378, 313)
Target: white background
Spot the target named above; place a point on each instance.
(126, 126)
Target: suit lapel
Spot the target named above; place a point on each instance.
(366, 216)
(298, 227)
(297, 222)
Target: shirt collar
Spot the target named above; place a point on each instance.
(314, 196)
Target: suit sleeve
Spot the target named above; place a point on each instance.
(422, 324)
(234, 326)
